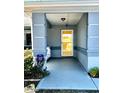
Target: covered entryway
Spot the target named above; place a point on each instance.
(66, 73)
(46, 31)
(83, 18)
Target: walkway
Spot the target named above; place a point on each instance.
(66, 74)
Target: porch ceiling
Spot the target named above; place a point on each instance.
(55, 19)
(70, 18)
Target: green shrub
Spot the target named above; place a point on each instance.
(94, 72)
(28, 55)
(29, 70)
(28, 60)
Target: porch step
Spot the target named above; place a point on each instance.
(67, 91)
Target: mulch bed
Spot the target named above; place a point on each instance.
(32, 78)
(36, 75)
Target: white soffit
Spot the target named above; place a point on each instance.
(71, 18)
(62, 6)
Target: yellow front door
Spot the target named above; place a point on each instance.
(66, 42)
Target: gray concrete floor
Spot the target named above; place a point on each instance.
(66, 73)
(96, 81)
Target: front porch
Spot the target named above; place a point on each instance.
(47, 31)
(66, 74)
(46, 27)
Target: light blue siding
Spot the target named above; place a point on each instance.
(82, 32)
(88, 40)
(93, 39)
(94, 61)
(54, 36)
(93, 43)
(39, 33)
(93, 18)
(38, 18)
(56, 53)
(93, 30)
(39, 43)
(83, 59)
(82, 41)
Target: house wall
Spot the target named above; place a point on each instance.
(93, 39)
(88, 40)
(39, 33)
(54, 39)
(82, 41)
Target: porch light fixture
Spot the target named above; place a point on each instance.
(63, 19)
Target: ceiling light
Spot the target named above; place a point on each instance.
(63, 19)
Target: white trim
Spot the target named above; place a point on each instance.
(66, 10)
(61, 6)
(32, 37)
(62, 3)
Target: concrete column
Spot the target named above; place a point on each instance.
(93, 39)
(39, 36)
